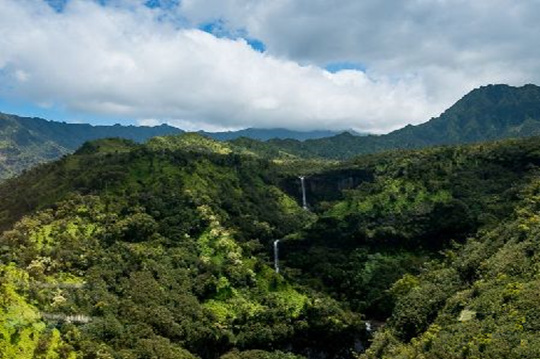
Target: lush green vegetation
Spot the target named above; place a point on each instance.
(481, 301)
(163, 253)
(406, 208)
(25, 142)
(164, 250)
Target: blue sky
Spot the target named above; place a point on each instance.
(57, 113)
(218, 28)
(224, 64)
(344, 65)
(58, 5)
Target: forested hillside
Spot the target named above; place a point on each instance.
(25, 141)
(398, 209)
(164, 250)
(132, 251)
(480, 300)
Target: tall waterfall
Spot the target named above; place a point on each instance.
(276, 255)
(304, 199)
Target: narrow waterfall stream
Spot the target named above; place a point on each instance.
(276, 255)
(304, 198)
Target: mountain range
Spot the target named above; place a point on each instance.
(487, 113)
(269, 134)
(26, 141)
(186, 247)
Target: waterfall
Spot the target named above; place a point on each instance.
(276, 255)
(304, 199)
(369, 328)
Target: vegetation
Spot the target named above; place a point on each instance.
(25, 142)
(406, 207)
(481, 301)
(159, 252)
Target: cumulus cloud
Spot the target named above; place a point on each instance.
(126, 59)
(451, 46)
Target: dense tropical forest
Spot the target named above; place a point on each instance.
(165, 250)
(125, 250)
(258, 179)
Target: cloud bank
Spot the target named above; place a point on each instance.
(129, 60)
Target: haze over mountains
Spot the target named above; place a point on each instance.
(268, 134)
(487, 113)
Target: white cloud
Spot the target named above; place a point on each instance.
(149, 122)
(131, 61)
(450, 46)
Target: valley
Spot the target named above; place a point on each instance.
(166, 250)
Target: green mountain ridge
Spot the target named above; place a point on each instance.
(487, 113)
(25, 141)
(271, 133)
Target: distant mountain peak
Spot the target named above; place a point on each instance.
(265, 134)
(345, 134)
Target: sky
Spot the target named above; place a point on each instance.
(370, 65)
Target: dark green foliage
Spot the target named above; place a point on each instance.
(259, 354)
(26, 142)
(481, 301)
(382, 216)
(163, 251)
